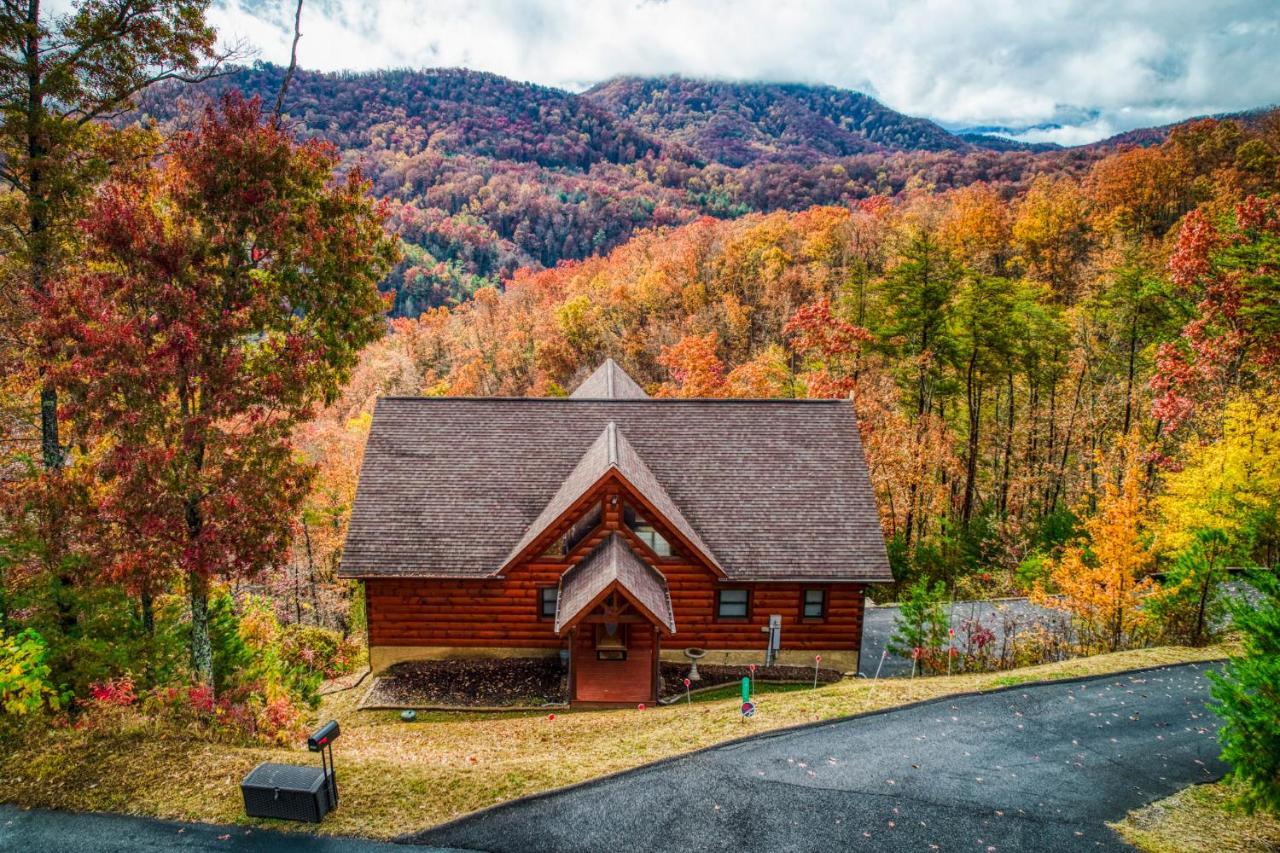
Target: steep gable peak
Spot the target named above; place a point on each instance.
(609, 382)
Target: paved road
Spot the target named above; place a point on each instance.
(878, 624)
(40, 831)
(1034, 768)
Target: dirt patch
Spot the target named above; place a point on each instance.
(487, 683)
(714, 675)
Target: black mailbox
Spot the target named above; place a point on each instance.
(324, 736)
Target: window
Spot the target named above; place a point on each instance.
(578, 531)
(646, 532)
(547, 596)
(732, 603)
(815, 604)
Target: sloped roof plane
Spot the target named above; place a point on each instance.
(775, 489)
(609, 382)
(612, 452)
(609, 563)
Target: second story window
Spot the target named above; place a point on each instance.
(646, 532)
(578, 531)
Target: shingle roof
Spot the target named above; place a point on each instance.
(612, 452)
(776, 489)
(613, 560)
(609, 382)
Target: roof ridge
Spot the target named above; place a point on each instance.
(611, 443)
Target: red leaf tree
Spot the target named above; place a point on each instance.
(1232, 270)
(225, 292)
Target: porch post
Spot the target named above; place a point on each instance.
(573, 663)
(657, 651)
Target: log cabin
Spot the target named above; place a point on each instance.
(613, 529)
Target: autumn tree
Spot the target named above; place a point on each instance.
(1233, 343)
(1103, 579)
(61, 75)
(226, 292)
(1229, 484)
(696, 370)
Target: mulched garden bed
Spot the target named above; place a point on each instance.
(480, 683)
(716, 675)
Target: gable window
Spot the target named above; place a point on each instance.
(645, 531)
(578, 531)
(815, 604)
(732, 603)
(547, 596)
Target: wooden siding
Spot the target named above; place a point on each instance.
(503, 612)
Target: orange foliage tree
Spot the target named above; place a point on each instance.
(1103, 578)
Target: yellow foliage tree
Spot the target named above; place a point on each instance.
(1231, 485)
(1102, 579)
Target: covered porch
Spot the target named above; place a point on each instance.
(613, 609)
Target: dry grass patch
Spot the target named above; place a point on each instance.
(1200, 818)
(398, 778)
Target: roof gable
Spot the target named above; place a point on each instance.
(609, 382)
(610, 453)
(613, 563)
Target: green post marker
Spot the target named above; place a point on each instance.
(746, 689)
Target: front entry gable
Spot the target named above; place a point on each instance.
(613, 567)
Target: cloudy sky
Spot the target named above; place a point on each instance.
(1068, 71)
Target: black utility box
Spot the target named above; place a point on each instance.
(289, 791)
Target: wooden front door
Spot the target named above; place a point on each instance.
(618, 667)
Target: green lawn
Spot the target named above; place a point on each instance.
(398, 777)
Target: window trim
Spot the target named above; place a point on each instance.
(746, 617)
(804, 603)
(542, 615)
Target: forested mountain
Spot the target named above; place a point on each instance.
(487, 175)
(742, 123)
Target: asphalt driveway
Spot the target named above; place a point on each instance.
(40, 831)
(1032, 768)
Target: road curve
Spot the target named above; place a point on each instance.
(1039, 767)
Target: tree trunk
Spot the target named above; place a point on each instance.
(973, 398)
(1008, 454)
(201, 647)
(147, 604)
(1128, 388)
(1066, 443)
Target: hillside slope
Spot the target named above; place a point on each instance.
(741, 123)
(488, 174)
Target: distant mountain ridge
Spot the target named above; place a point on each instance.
(485, 175)
(741, 123)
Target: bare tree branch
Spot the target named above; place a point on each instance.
(293, 64)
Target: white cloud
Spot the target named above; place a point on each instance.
(1092, 66)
